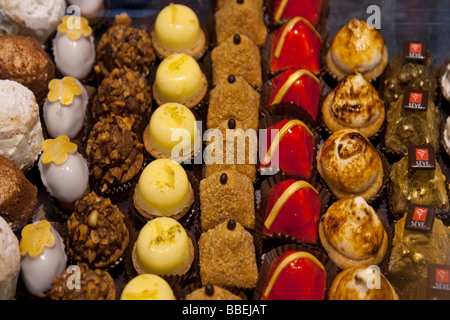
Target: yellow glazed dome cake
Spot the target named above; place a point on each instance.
(147, 287)
(163, 190)
(163, 248)
(179, 78)
(177, 30)
(172, 133)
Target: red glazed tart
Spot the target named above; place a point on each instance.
(295, 275)
(293, 208)
(291, 148)
(288, 9)
(296, 44)
(298, 86)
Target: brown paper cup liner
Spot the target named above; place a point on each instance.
(197, 284)
(330, 267)
(265, 188)
(275, 116)
(180, 279)
(185, 220)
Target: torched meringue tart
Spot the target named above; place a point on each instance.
(177, 30)
(359, 283)
(357, 48)
(353, 234)
(354, 104)
(350, 165)
(163, 190)
(163, 247)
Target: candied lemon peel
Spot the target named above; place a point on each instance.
(75, 27)
(57, 150)
(35, 238)
(64, 90)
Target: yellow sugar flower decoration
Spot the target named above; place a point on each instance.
(63, 90)
(75, 27)
(57, 150)
(35, 238)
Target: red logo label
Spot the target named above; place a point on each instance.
(415, 47)
(442, 275)
(422, 154)
(415, 97)
(420, 214)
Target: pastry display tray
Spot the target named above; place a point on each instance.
(400, 21)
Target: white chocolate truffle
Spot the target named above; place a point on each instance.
(36, 18)
(38, 271)
(74, 51)
(67, 181)
(60, 117)
(20, 131)
(9, 261)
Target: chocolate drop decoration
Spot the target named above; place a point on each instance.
(231, 225)
(237, 39)
(231, 124)
(209, 290)
(231, 78)
(223, 178)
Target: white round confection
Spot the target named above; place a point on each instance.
(89, 8)
(9, 261)
(74, 58)
(20, 130)
(36, 18)
(66, 120)
(67, 182)
(38, 272)
(447, 135)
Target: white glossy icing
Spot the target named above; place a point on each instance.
(447, 134)
(89, 8)
(67, 182)
(38, 272)
(9, 261)
(74, 58)
(66, 120)
(445, 83)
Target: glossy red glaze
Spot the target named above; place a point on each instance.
(299, 216)
(302, 279)
(305, 91)
(308, 9)
(295, 151)
(301, 49)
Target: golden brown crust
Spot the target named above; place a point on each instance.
(244, 18)
(188, 104)
(227, 257)
(139, 269)
(222, 202)
(353, 284)
(354, 104)
(177, 215)
(196, 52)
(219, 294)
(357, 48)
(23, 60)
(18, 196)
(350, 165)
(242, 59)
(237, 100)
(352, 234)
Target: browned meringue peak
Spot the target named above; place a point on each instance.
(357, 47)
(354, 103)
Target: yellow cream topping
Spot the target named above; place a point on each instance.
(75, 27)
(276, 141)
(283, 264)
(57, 150)
(280, 10)
(163, 187)
(177, 27)
(64, 90)
(293, 188)
(290, 81)
(147, 287)
(178, 78)
(173, 125)
(162, 247)
(286, 29)
(35, 238)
